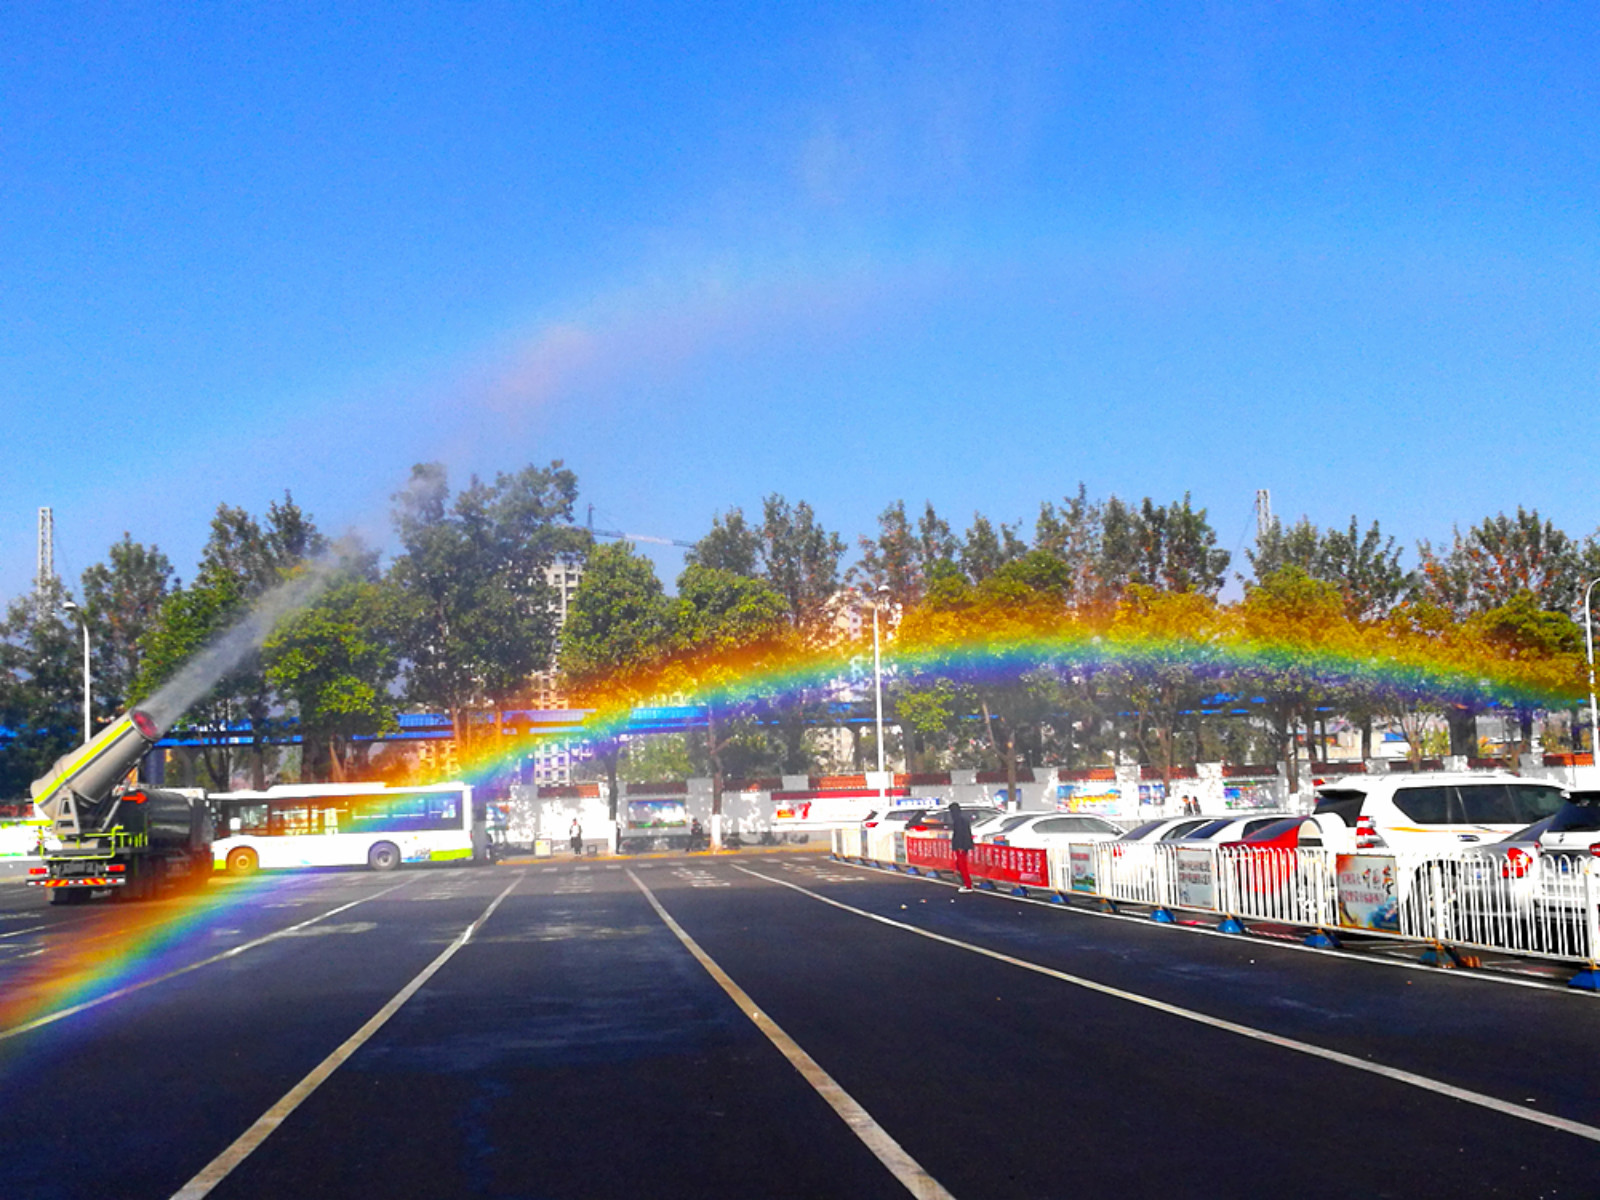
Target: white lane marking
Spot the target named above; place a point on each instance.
(1426, 1083)
(20, 932)
(59, 1014)
(888, 1151)
(218, 1168)
(700, 877)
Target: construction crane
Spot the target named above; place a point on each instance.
(627, 537)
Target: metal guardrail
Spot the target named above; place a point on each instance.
(1545, 906)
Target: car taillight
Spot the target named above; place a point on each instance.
(871, 825)
(918, 829)
(1517, 864)
(1367, 834)
(1595, 849)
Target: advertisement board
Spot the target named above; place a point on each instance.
(1080, 860)
(825, 810)
(1249, 793)
(1153, 793)
(1091, 795)
(667, 816)
(1368, 897)
(1197, 882)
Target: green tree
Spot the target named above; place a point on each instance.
(983, 551)
(336, 662)
(478, 618)
(122, 598)
(892, 559)
(1171, 547)
(799, 558)
(617, 635)
(1543, 643)
(40, 688)
(731, 545)
(726, 627)
(1075, 534)
(243, 559)
(1500, 557)
(1294, 621)
(1363, 565)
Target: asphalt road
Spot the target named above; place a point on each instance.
(342, 1034)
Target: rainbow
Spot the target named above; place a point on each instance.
(1412, 673)
(111, 950)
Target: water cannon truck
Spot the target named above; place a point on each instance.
(107, 833)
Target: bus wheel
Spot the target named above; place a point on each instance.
(383, 857)
(243, 861)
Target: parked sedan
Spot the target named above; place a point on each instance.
(1230, 829)
(1164, 829)
(1041, 831)
(1536, 872)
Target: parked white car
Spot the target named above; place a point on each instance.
(1041, 831)
(1427, 811)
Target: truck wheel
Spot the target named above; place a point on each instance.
(242, 861)
(383, 857)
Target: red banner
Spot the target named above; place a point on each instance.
(1011, 864)
(1000, 864)
(929, 853)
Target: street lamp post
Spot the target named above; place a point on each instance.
(83, 619)
(1594, 718)
(877, 681)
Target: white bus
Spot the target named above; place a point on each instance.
(347, 825)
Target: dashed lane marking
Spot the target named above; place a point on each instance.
(218, 1168)
(888, 1151)
(20, 932)
(1411, 1078)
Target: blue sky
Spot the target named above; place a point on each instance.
(967, 254)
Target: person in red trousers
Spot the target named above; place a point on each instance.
(961, 844)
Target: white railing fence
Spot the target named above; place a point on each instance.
(1545, 905)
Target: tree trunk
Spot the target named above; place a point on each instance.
(1463, 723)
(610, 760)
(1291, 756)
(1011, 769)
(335, 766)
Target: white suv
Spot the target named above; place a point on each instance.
(1432, 810)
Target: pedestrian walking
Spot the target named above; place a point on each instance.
(961, 844)
(576, 835)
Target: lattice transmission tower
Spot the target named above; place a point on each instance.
(44, 579)
(1263, 512)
